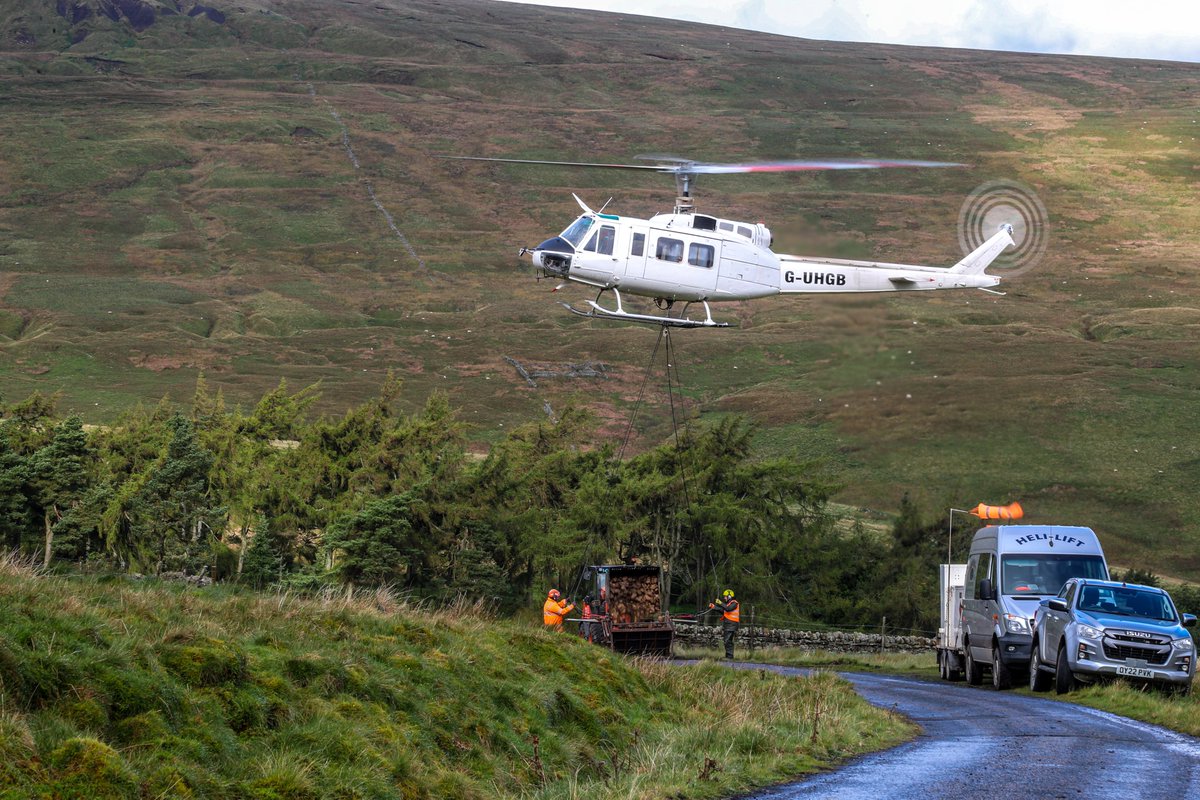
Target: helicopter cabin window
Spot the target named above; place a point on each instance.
(669, 250)
(700, 255)
(639, 244)
(702, 223)
(744, 231)
(726, 226)
(602, 241)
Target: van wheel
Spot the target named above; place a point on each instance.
(1001, 678)
(974, 671)
(1039, 681)
(1064, 679)
(945, 670)
(952, 673)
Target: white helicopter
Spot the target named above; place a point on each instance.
(696, 258)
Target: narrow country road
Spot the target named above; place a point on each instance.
(980, 743)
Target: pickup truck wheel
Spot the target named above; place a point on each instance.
(1039, 681)
(1064, 679)
(1001, 678)
(974, 671)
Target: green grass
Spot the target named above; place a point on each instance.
(119, 689)
(916, 664)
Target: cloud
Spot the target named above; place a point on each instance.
(1159, 29)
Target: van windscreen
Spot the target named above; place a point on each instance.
(1045, 574)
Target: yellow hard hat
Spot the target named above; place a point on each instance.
(727, 593)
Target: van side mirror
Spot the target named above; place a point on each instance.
(1057, 603)
(986, 590)
(1189, 620)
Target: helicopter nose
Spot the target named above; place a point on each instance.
(557, 245)
(553, 255)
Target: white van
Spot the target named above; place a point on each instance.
(1012, 568)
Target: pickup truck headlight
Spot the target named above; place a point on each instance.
(1015, 624)
(1088, 632)
(1183, 645)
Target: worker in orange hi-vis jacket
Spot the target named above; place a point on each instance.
(554, 609)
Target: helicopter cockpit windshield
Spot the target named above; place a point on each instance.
(578, 230)
(567, 242)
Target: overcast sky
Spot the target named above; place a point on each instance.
(1166, 29)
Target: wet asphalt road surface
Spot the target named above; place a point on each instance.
(981, 743)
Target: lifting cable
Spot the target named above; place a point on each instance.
(704, 571)
(641, 394)
(671, 353)
(674, 384)
(625, 442)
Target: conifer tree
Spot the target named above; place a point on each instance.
(59, 478)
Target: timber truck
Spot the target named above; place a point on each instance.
(987, 604)
(637, 621)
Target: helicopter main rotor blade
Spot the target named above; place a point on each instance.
(677, 165)
(655, 168)
(808, 165)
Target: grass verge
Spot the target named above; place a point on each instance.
(119, 689)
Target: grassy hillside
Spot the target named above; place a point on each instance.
(253, 194)
(115, 689)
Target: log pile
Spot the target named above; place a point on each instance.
(634, 598)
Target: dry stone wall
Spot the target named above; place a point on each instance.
(834, 641)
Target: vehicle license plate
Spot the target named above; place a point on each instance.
(1134, 672)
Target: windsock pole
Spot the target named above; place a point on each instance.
(1011, 511)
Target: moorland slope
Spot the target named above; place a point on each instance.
(250, 191)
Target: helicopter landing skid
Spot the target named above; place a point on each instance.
(599, 311)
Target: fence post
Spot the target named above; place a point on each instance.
(751, 632)
(882, 627)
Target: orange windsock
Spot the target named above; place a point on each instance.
(1010, 511)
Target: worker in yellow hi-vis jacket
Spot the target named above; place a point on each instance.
(731, 619)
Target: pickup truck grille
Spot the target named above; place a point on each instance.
(1137, 637)
(1119, 651)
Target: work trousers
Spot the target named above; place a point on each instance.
(729, 633)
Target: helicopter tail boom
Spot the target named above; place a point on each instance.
(830, 275)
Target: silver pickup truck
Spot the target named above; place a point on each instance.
(1096, 629)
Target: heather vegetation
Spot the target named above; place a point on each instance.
(222, 194)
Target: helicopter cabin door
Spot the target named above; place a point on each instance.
(685, 265)
(638, 237)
